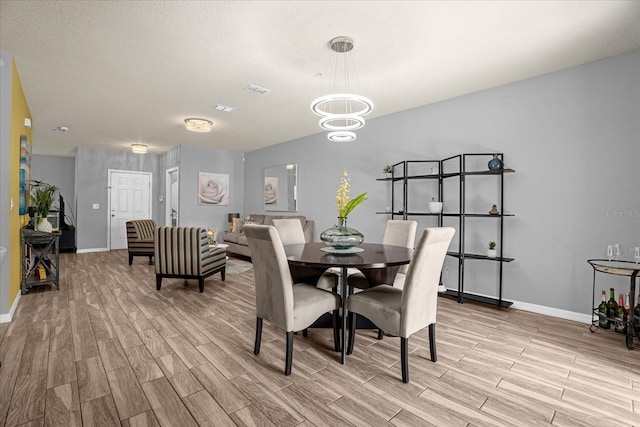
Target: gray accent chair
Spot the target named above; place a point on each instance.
(289, 306)
(402, 312)
(184, 252)
(140, 238)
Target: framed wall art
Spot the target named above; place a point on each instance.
(213, 189)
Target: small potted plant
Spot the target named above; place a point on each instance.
(491, 252)
(42, 197)
(388, 170)
(435, 207)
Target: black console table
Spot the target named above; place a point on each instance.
(40, 251)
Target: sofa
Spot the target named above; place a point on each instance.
(237, 241)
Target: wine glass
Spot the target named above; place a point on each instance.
(636, 254)
(617, 251)
(609, 252)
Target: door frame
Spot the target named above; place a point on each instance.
(168, 197)
(130, 172)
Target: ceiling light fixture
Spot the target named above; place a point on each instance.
(139, 148)
(342, 112)
(198, 125)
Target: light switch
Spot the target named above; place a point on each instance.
(96, 206)
(161, 199)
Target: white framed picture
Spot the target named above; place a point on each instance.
(213, 189)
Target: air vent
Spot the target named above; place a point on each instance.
(225, 108)
(257, 89)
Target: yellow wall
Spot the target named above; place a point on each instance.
(19, 110)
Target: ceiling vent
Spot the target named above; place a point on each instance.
(225, 108)
(257, 89)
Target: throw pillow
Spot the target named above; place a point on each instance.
(236, 225)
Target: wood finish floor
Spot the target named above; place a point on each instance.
(107, 349)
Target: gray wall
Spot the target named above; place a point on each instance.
(59, 171)
(92, 166)
(572, 137)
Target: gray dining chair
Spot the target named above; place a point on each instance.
(290, 231)
(402, 312)
(289, 306)
(397, 232)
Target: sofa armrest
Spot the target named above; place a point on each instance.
(309, 229)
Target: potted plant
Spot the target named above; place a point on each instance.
(388, 170)
(491, 252)
(435, 207)
(42, 197)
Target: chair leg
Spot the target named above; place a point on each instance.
(289, 355)
(336, 330)
(158, 282)
(404, 358)
(380, 334)
(432, 342)
(150, 259)
(201, 284)
(352, 331)
(256, 346)
(130, 259)
(305, 332)
(222, 272)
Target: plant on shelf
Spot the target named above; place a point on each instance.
(388, 169)
(42, 196)
(491, 252)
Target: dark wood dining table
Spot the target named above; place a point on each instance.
(379, 263)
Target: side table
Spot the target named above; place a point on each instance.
(40, 251)
(619, 268)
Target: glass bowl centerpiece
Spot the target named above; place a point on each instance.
(340, 236)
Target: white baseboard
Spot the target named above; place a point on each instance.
(86, 251)
(5, 318)
(553, 312)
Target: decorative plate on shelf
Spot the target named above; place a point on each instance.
(351, 250)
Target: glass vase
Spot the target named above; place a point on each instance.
(340, 236)
(495, 164)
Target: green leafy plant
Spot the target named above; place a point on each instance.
(387, 169)
(42, 197)
(492, 245)
(346, 206)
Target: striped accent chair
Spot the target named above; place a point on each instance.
(184, 252)
(140, 238)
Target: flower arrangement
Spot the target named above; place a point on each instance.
(346, 206)
(387, 169)
(212, 234)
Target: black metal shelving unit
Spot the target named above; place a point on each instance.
(452, 168)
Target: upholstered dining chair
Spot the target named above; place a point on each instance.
(184, 252)
(290, 231)
(398, 233)
(402, 312)
(289, 306)
(140, 238)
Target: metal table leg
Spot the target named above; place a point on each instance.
(343, 290)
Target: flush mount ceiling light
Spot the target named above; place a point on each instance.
(139, 148)
(342, 112)
(198, 125)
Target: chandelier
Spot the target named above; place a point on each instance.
(342, 112)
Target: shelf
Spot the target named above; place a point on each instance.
(477, 298)
(477, 256)
(477, 215)
(487, 172)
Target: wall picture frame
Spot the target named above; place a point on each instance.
(213, 189)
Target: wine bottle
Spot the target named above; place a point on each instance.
(603, 321)
(619, 325)
(612, 306)
(636, 314)
(628, 315)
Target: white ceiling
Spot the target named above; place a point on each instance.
(118, 72)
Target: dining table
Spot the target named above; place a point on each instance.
(379, 263)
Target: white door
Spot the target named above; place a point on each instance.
(171, 197)
(130, 198)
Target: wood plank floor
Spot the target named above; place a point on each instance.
(107, 349)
